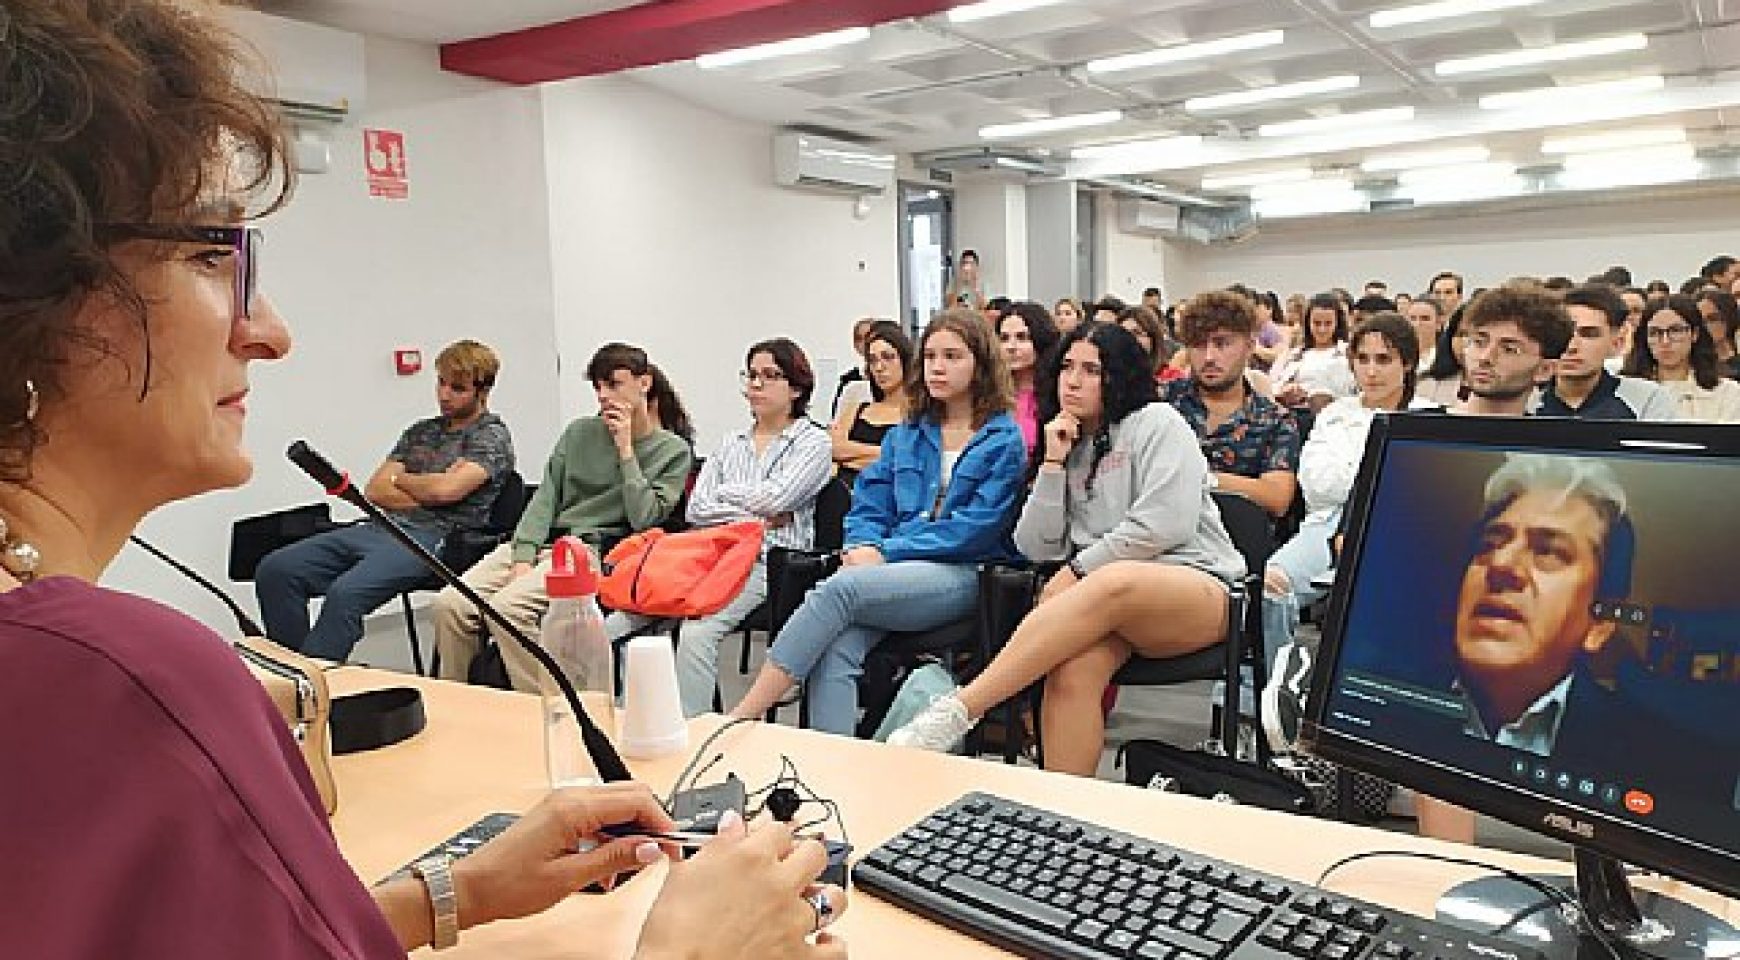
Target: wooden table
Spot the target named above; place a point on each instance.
(482, 752)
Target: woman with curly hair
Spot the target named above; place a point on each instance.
(1122, 498)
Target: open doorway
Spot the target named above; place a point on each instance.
(927, 222)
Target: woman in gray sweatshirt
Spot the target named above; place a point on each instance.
(1122, 496)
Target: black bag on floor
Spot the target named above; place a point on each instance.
(1156, 765)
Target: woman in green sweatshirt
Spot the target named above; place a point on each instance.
(609, 475)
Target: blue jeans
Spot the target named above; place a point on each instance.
(825, 642)
(1303, 558)
(356, 568)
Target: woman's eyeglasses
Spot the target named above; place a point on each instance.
(246, 242)
(1674, 334)
(760, 377)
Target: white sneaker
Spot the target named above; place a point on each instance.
(940, 727)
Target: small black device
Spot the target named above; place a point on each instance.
(699, 808)
(1045, 885)
(465, 841)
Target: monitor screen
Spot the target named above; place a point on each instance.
(1540, 620)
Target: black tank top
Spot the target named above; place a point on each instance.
(863, 431)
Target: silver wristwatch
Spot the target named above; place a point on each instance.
(437, 874)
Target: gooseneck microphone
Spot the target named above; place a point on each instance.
(248, 627)
(337, 483)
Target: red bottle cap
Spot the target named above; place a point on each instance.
(571, 574)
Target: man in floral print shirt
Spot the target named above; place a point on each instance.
(1251, 442)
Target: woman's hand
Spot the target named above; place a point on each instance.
(1060, 436)
(534, 863)
(862, 557)
(744, 897)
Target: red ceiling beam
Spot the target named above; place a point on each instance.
(664, 31)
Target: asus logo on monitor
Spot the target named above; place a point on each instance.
(1564, 824)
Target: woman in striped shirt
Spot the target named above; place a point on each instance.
(769, 471)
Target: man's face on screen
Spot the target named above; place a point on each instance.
(1523, 612)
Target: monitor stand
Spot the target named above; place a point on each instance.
(1637, 924)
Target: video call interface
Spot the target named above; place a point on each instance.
(1561, 623)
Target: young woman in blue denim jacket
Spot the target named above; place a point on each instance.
(937, 503)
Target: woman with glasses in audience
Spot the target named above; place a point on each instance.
(1384, 357)
(935, 505)
(1722, 316)
(1674, 348)
(858, 433)
(1122, 498)
(1066, 315)
(770, 472)
(1316, 372)
(170, 812)
(1027, 335)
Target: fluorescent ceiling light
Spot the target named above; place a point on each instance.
(1556, 53)
(1461, 173)
(1341, 121)
(1615, 140)
(1187, 51)
(782, 48)
(1665, 155)
(1600, 178)
(1257, 178)
(1303, 188)
(1463, 192)
(998, 131)
(1442, 10)
(1307, 205)
(1425, 158)
(1581, 93)
(995, 8)
(1162, 146)
(1279, 91)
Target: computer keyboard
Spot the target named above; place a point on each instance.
(1045, 885)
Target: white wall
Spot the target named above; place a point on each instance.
(1128, 263)
(667, 231)
(467, 255)
(1667, 239)
(991, 220)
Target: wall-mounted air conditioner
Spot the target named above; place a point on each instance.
(1147, 217)
(316, 74)
(808, 161)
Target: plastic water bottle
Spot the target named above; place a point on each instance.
(573, 634)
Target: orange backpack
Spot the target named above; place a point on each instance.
(690, 574)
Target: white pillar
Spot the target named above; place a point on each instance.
(991, 218)
(1051, 240)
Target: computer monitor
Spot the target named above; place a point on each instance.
(1540, 620)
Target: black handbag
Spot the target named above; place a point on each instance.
(1156, 765)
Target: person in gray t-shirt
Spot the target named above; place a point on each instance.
(1122, 496)
(443, 474)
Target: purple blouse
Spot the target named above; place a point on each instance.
(156, 806)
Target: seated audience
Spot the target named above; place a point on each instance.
(995, 310)
(770, 471)
(857, 433)
(1027, 335)
(1581, 385)
(443, 475)
(1443, 382)
(1144, 324)
(160, 807)
(1722, 316)
(1316, 372)
(1122, 497)
(924, 516)
(1273, 339)
(1427, 317)
(1252, 443)
(1066, 314)
(1107, 309)
(854, 387)
(610, 475)
(1446, 286)
(1384, 356)
(1674, 348)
